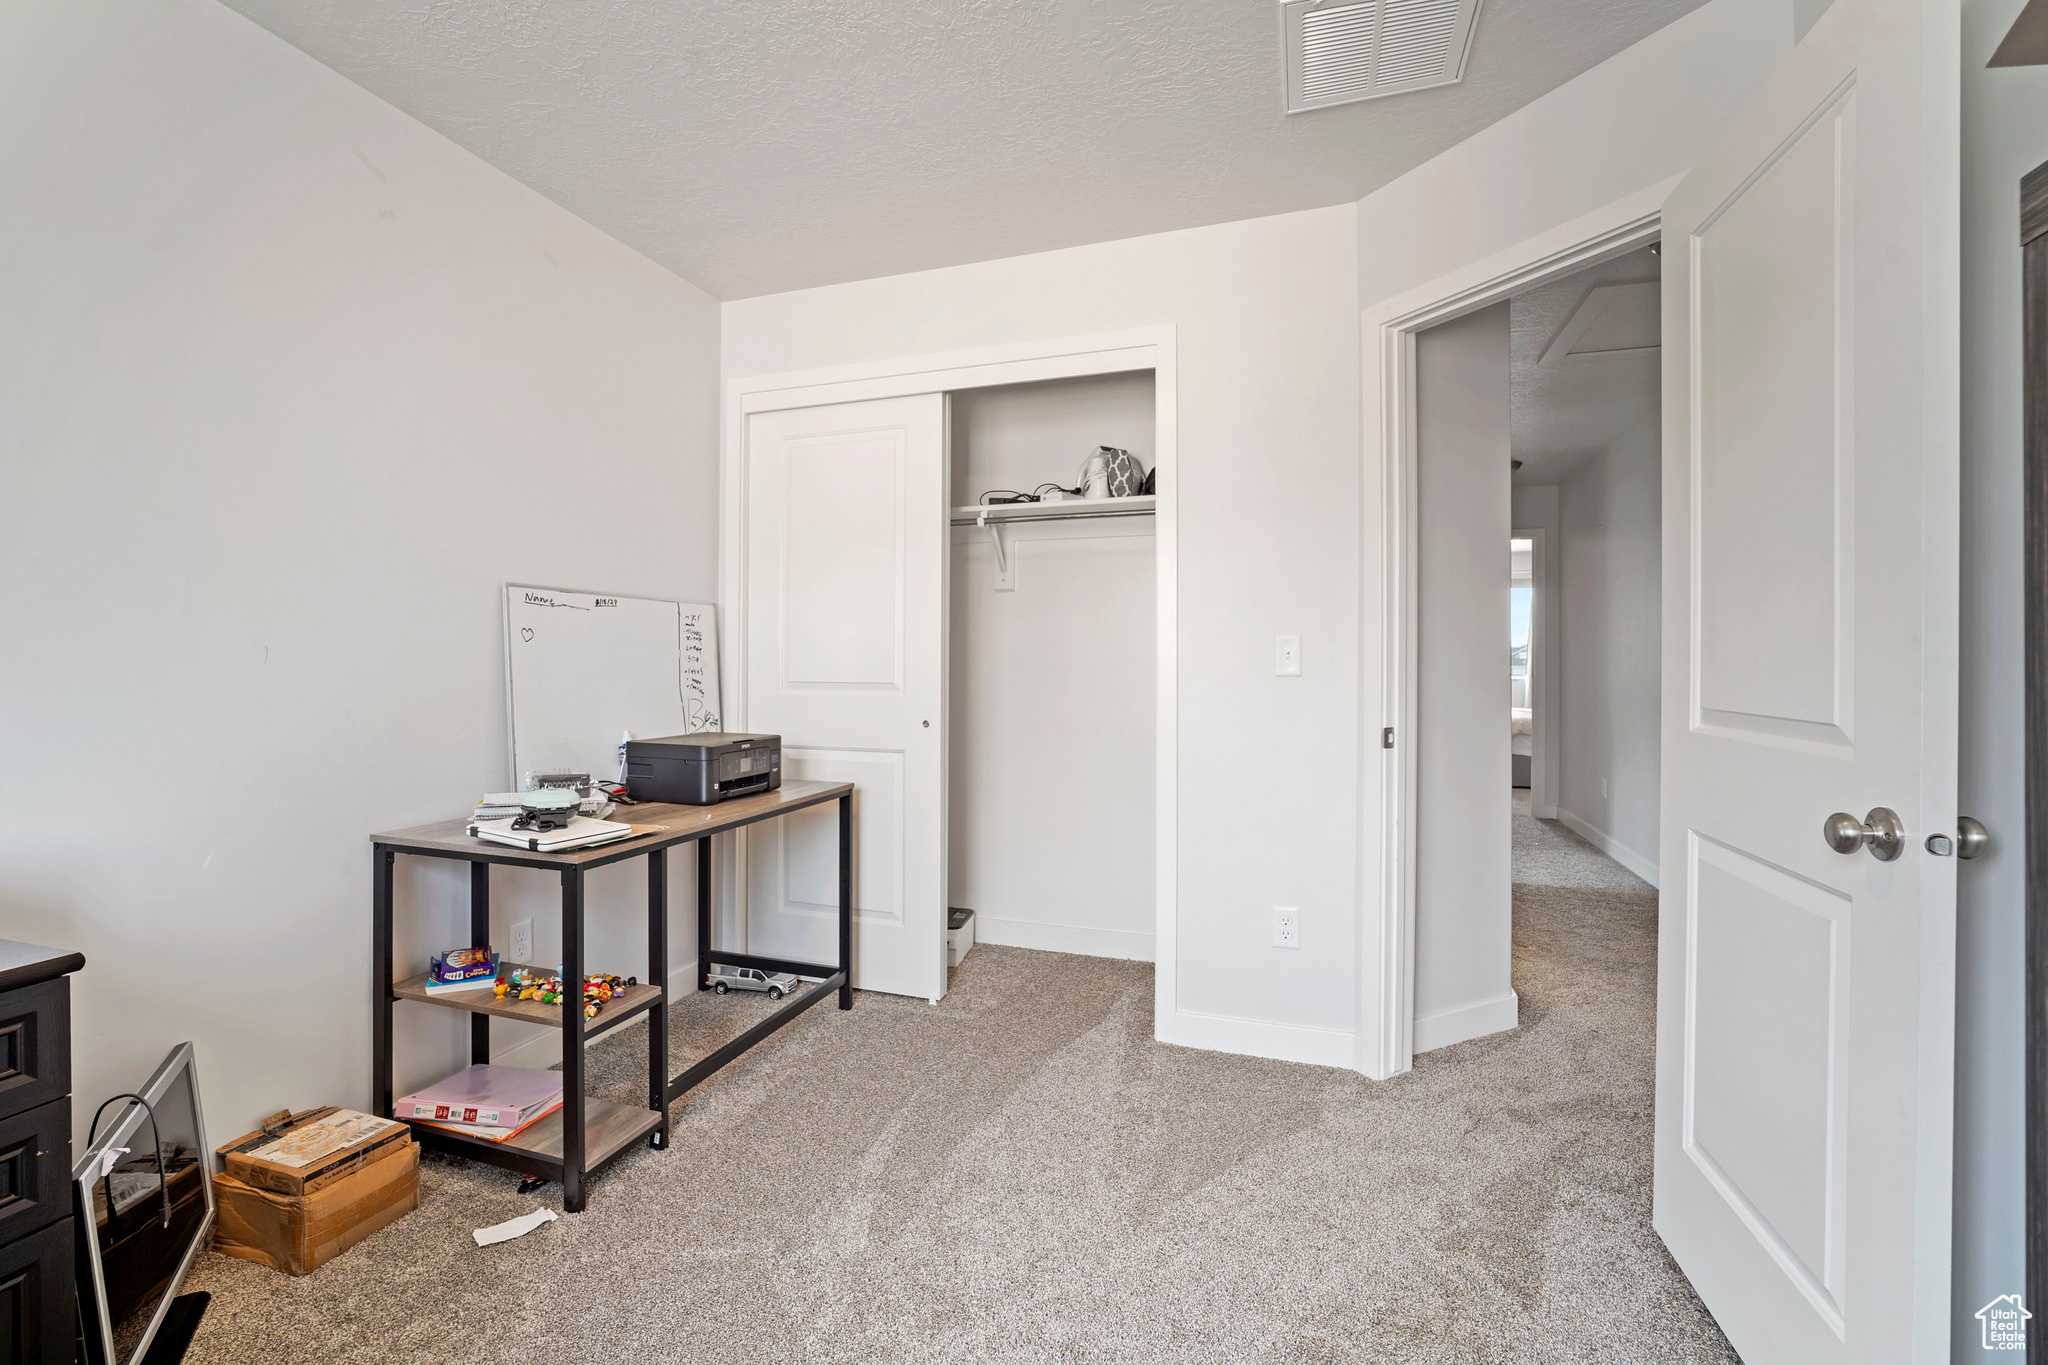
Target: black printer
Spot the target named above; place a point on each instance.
(702, 769)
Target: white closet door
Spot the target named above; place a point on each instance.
(845, 659)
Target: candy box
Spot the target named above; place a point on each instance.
(462, 964)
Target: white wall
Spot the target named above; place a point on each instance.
(291, 386)
(1611, 517)
(1267, 348)
(2005, 135)
(1535, 509)
(322, 435)
(1463, 881)
(1053, 681)
(1638, 118)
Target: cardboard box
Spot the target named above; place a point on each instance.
(311, 1151)
(297, 1234)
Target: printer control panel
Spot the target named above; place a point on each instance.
(747, 770)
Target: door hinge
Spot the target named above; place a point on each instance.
(1387, 738)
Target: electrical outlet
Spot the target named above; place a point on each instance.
(1287, 656)
(1286, 927)
(521, 950)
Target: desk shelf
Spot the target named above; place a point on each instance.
(586, 1131)
(608, 1129)
(617, 1010)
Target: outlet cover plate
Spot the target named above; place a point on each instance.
(1286, 927)
(521, 950)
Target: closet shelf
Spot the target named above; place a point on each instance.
(1071, 509)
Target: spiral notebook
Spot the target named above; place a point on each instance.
(580, 832)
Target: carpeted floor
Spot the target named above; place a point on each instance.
(1022, 1174)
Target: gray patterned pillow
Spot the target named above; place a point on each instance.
(1126, 475)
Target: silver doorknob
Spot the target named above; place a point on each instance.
(1880, 832)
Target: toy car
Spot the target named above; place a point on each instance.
(777, 984)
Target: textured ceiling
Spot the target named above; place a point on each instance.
(1567, 411)
(753, 147)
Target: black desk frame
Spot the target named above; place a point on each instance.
(570, 1169)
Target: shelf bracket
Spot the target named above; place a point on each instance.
(1006, 579)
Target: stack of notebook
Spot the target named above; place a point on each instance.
(497, 806)
(488, 1102)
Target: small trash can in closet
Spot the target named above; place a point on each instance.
(959, 934)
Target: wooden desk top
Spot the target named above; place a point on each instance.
(670, 825)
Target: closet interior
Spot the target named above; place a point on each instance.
(1053, 671)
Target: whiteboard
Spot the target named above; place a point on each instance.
(582, 669)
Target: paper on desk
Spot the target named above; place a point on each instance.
(514, 1227)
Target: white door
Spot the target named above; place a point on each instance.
(845, 523)
(1805, 996)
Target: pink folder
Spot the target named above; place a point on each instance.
(493, 1096)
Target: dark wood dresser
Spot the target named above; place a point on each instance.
(38, 1285)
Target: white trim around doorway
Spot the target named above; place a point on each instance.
(1143, 348)
(1386, 977)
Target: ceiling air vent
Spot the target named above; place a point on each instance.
(1343, 51)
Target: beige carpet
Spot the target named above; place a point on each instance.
(1022, 1174)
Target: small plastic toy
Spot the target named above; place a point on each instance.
(775, 984)
(526, 984)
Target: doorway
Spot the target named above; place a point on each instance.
(1394, 335)
(1522, 653)
(1537, 425)
(1586, 483)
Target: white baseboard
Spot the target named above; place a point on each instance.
(1063, 938)
(1445, 1027)
(543, 1049)
(1646, 868)
(1258, 1038)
